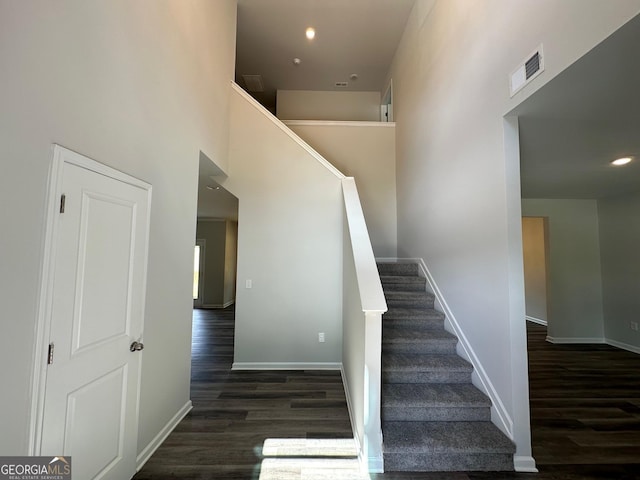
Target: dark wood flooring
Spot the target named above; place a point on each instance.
(585, 415)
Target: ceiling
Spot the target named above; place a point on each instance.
(569, 129)
(582, 119)
(352, 36)
(214, 201)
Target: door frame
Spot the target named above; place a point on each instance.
(59, 156)
(199, 302)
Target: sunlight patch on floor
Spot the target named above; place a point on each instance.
(310, 459)
(309, 447)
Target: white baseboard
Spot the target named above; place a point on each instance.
(286, 366)
(539, 321)
(162, 435)
(347, 394)
(524, 464)
(356, 437)
(622, 345)
(499, 414)
(212, 306)
(570, 340)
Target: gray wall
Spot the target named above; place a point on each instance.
(534, 253)
(142, 87)
(316, 105)
(221, 238)
(575, 285)
(620, 244)
(458, 191)
(366, 152)
(289, 245)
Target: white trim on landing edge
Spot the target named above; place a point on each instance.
(486, 386)
(539, 321)
(337, 123)
(162, 435)
(286, 366)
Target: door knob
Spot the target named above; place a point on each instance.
(136, 346)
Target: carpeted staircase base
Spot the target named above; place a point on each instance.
(433, 417)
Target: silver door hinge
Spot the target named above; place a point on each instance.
(63, 199)
(50, 354)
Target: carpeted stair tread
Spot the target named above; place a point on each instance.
(403, 283)
(394, 333)
(399, 339)
(418, 318)
(433, 417)
(407, 279)
(409, 299)
(421, 368)
(445, 437)
(417, 362)
(420, 363)
(425, 395)
(415, 323)
(406, 269)
(402, 313)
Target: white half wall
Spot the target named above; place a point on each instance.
(367, 152)
(290, 222)
(457, 197)
(575, 275)
(319, 105)
(142, 87)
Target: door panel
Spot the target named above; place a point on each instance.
(97, 411)
(106, 256)
(90, 407)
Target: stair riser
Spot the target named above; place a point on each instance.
(426, 462)
(408, 269)
(403, 287)
(447, 348)
(426, 377)
(413, 324)
(422, 302)
(432, 414)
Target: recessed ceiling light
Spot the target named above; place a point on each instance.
(310, 33)
(621, 161)
(353, 76)
(211, 187)
(296, 61)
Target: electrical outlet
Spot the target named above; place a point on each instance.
(633, 326)
(321, 337)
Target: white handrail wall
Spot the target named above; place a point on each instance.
(363, 306)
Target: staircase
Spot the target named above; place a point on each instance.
(433, 418)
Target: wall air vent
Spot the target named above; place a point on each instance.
(253, 83)
(526, 71)
(342, 84)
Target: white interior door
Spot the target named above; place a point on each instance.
(97, 308)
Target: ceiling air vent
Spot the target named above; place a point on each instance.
(253, 83)
(342, 84)
(527, 71)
